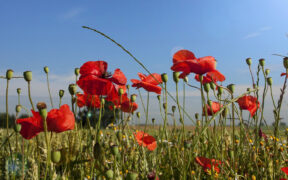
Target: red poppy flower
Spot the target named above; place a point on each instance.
(145, 140)
(283, 74)
(285, 170)
(92, 101)
(215, 108)
(123, 102)
(185, 61)
(212, 76)
(208, 163)
(58, 120)
(149, 83)
(95, 79)
(249, 103)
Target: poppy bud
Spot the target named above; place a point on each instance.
(55, 156)
(19, 90)
(133, 97)
(269, 81)
(165, 106)
(225, 112)
(103, 101)
(46, 69)
(220, 90)
(173, 108)
(267, 72)
(159, 97)
(76, 71)
(196, 115)
(249, 61)
(109, 174)
(17, 128)
(27, 76)
(9, 74)
(42, 108)
(164, 77)
(176, 77)
(209, 103)
(231, 87)
(72, 89)
(153, 120)
(262, 62)
(18, 108)
(61, 93)
(121, 91)
(128, 86)
(138, 114)
(186, 79)
(198, 122)
(115, 150)
(206, 87)
(212, 85)
(187, 144)
(131, 176)
(285, 62)
(200, 78)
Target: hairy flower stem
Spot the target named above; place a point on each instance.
(7, 113)
(147, 109)
(180, 114)
(48, 146)
(48, 85)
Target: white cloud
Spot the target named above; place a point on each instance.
(72, 13)
(252, 35)
(257, 33)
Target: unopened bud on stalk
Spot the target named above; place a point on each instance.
(109, 174)
(231, 87)
(164, 77)
(267, 72)
(262, 62)
(173, 109)
(212, 85)
(165, 106)
(102, 101)
(197, 116)
(72, 89)
(9, 74)
(17, 128)
(128, 86)
(249, 61)
(18, 108)
(269, 81)
(76, 71)
(46, 69)
(220, 90)
(198, 122)
(209, 103)
(18, 90)
(61, 93)
(176, 77)
(42, 108)
(206, 87)
(159, 97)
(138, 114)
(185, 79)
(285, 62)
(55, 156)
(115, 150)
(121, 91)
(200, 78)
(133, 97)
(27, 76)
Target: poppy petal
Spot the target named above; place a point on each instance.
(96, 68)
(285, 170)
(183, 55)
(118, 77)
(30, 127)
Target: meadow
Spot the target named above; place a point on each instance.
(92, 137)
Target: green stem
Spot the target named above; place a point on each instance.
(48, 85)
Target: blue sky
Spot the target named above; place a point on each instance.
(35, 34)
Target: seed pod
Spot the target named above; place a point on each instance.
(27, 76)
(133, 97)
(206, 87)
(46, 69)
(76, 71)
(18, 90)
(9, 74)
(61, 93)
(262, 62)
(72, 89)
(176, 77)
(164, 77)
(231, 87)
(109, 174)
(267, 72)
(18, 108)
(285, 62)
(55, 156)
(42, 108)
(269, 81)
(249, 61)
(17, 128)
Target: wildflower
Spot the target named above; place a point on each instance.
(253, 177)
(285, 170)
(237, 141)
(212, 76)
(192, 172)
(92, 101)
(207, 164)
(58, 120)
(249, 103)
(149, 83)
(215, 108)
(261, 143)
(146, 140)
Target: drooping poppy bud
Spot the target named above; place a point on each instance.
(285, 62)
(27, 76)
(164, 77)
(18, 90)
(133, 97)
(231, 87)
(262, 62)
(18, 108)
(61, 93)
(46, 69)
(76, 71)
(138, 114)
(267, 72)
(176, 77)
(9, 74)
(55, 156)
(269, 81)
(173, 108)
(72, 89)
(249, 61)
(206, 87)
